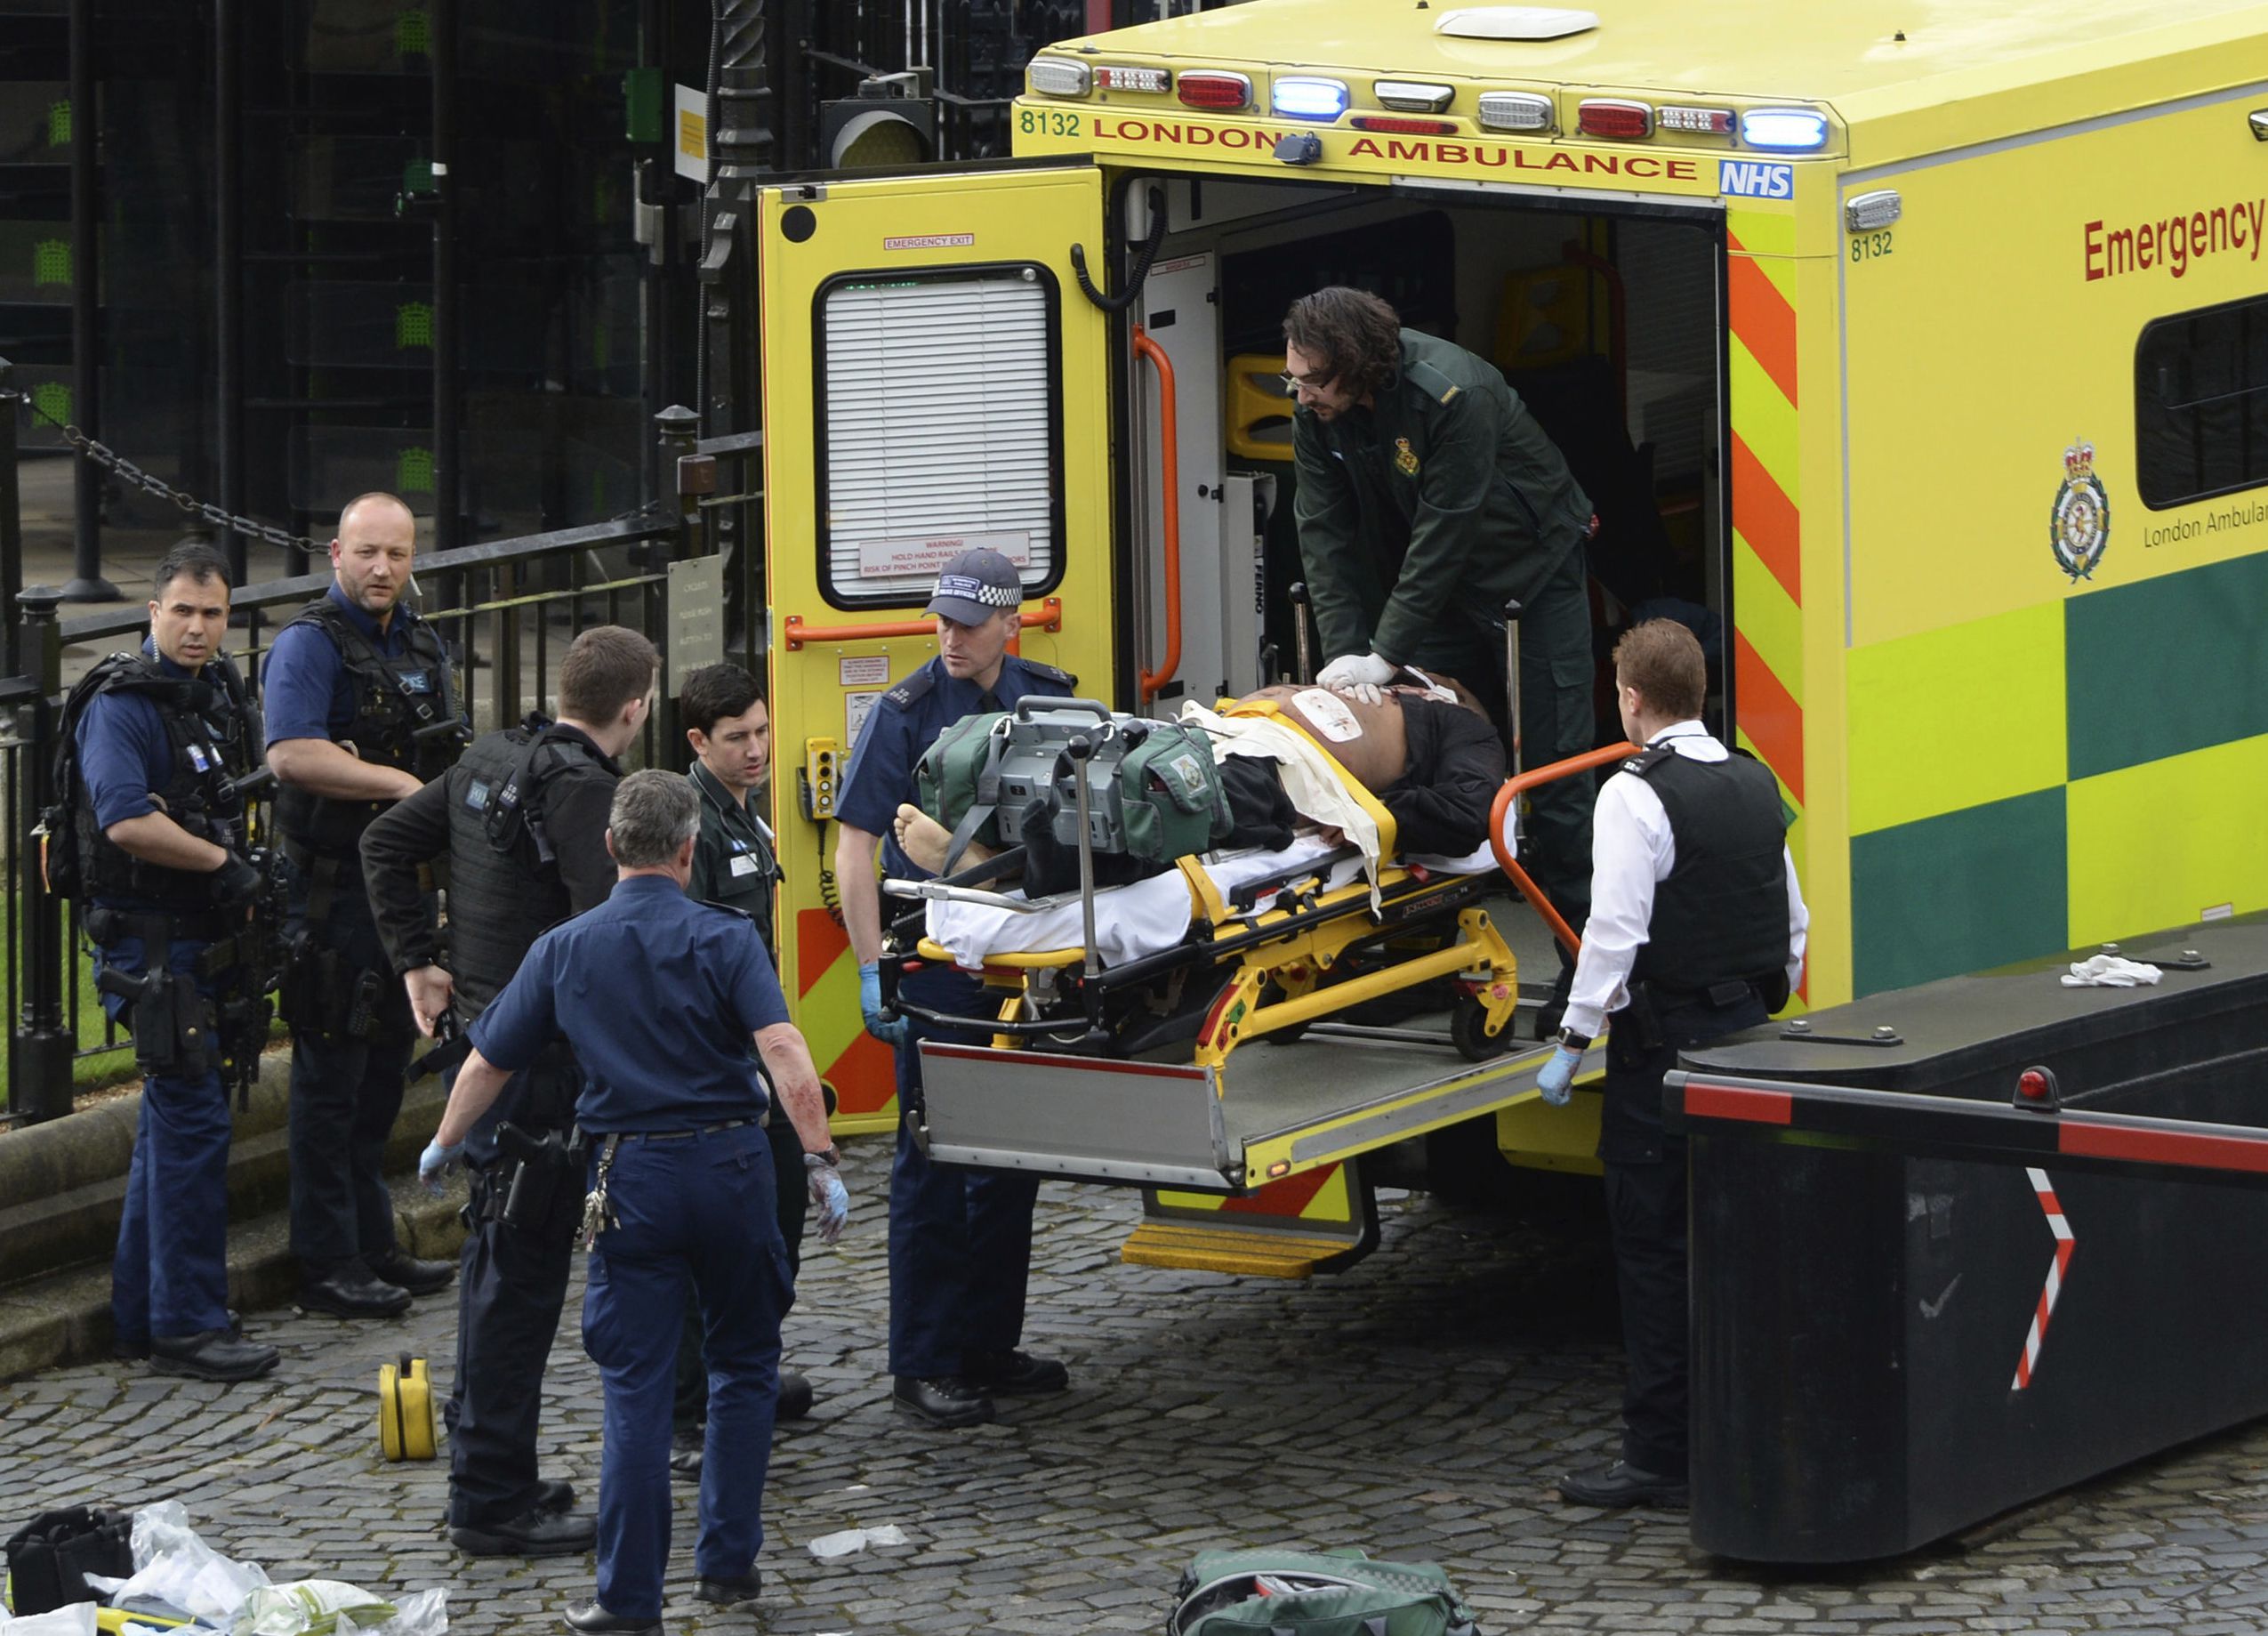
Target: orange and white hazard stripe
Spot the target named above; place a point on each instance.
(2035, 1337)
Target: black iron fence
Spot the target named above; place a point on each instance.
(508, 609)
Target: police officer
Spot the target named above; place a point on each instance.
(730, 728)
(961, 1243)
(361, 710)
(521, 821)
(659, 995)
(164, 736)
(1428, 496)
(1697, 929)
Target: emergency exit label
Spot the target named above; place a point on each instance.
(1753, 179)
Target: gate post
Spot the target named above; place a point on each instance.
(40, 1050)
(12, 521)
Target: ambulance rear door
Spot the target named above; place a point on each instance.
(934, 381)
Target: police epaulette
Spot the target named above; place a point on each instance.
(1645, 761)
(1048, 672)
(913, 688)
(1431, 381)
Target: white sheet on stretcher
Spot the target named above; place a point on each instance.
(1146, 917)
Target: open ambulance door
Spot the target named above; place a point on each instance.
(934, 380)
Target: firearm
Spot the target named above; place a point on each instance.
(243, 1009)
(451, 1046)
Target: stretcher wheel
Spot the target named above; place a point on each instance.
(1468, 1031)
(405, 1409)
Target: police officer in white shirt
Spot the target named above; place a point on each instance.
(1696, 931)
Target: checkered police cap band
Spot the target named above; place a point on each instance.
(968, 588)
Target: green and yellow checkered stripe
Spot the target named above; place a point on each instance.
(2082, 771)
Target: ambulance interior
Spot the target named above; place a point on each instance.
(1608, 324)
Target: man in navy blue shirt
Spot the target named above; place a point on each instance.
(659, 997)
(361, 712)
(961, 1243)
(163, 737)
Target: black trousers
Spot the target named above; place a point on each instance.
(690, 1407)
(345, 1094)
(1645, 1210)
(511, 1287)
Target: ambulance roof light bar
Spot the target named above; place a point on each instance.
(1214, 88)
(1411, 96)
(1298, 96)
(1515, 110)
(1059, 76)
(1787, 129)
(1610, 117)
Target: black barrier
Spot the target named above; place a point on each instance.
(507, 607)
(1927, 1288)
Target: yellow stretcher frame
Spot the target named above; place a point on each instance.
(1294, 966)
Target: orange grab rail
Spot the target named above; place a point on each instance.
(795, 633)
(1170, 482)
(1550, 773)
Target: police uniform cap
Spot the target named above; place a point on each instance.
(976, 586)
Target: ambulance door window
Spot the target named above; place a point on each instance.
(2201, 404)
(940, 399)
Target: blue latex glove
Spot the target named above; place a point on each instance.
(870, 1007)
(1559, 1076)
(435, 1164)
(829, 1198)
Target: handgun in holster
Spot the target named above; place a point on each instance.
(167, 1020)
(535, 1180)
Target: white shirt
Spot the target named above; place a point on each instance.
(1633, 848)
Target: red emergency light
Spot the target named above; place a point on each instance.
(1214, 89)
(1621, 121)
(1403, 126)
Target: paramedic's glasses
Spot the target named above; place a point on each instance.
(1313, 382)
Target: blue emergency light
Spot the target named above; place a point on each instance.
(1300, 98)
(1785, 128)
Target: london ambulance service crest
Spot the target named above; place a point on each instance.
(1405, 459)
(2078, 530)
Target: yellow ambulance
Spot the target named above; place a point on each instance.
(1919, 356)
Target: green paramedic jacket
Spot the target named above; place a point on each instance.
(1419, 517)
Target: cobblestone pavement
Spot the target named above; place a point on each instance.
(1419, 1405)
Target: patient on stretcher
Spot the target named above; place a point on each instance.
(1428, 753)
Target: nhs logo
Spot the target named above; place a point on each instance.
(1750, 179)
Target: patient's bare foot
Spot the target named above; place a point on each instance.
(921, 838)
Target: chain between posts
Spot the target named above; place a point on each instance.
(127, 471)
(149, 483)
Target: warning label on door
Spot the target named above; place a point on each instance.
(866, 670)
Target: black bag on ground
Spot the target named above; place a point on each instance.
(50, 1557)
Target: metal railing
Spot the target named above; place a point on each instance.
(507, 610)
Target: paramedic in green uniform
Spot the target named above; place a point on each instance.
(1428, 496)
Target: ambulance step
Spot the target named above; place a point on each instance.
(1246, 1251)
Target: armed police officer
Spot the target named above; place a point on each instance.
(361, 712)
(728, 726)
(1427, 497)
(961, 1243)
(161, 742)
(659, 997)
(1697, 929)
(519, 824)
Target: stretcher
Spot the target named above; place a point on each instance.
(1267, 946)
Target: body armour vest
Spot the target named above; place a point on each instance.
(404, 716)
(504, 890)
(1721, 915)
(211, 730)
